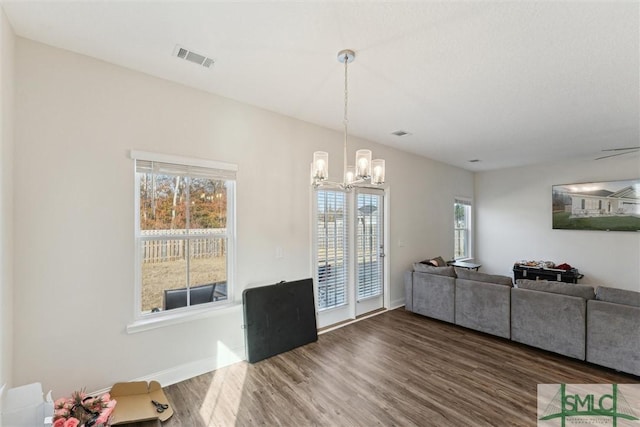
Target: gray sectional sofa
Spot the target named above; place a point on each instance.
(613, 329)
(601, 326)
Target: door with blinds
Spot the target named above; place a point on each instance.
(332, 258)
(369, 250)
(349, 253)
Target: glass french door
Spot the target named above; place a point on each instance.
(348, 253)
(331, 241)
(369, 250)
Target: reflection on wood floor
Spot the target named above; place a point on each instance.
(394, 369)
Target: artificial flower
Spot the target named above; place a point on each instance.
(72, 422)
(80, 408)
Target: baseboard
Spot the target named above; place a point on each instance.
(1, 400)
(193, 369)
(185, 371)
(397, 304)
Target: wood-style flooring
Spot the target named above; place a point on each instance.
(394, 369)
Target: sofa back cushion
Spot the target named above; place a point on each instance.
(440, 271)
(463, 273)
(582, 291)
(618, 296)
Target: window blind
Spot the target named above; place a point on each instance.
(332, 248)
(174, 169)
(465, 202)
(184, 166)
(368, 241)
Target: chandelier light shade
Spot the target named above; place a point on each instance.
(321, 165)
(350, 175)
(366, 171)
(363, 164)
(377, 167)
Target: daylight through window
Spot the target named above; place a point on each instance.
(184, 234)
(462, 229)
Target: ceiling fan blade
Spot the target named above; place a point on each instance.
(622, 149)
(613, 155)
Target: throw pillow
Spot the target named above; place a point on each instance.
(436, 262)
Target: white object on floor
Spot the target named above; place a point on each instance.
(25, 406)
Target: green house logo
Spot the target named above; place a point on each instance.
(589, 405)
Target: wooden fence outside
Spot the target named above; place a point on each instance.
(155, 250)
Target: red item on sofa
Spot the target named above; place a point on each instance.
(565, 267)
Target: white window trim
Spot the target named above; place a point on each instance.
(468, 201)
(181, 316)
(147, 321)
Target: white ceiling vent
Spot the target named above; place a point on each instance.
(196, 58)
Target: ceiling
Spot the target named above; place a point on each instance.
(506, 83)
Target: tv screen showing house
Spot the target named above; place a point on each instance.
(604, 206)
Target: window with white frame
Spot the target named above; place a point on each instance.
(184, 232)
(462, 229)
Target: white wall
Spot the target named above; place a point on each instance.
(7, 41)
(513, 212)
(76, 119)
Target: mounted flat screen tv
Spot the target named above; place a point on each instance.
(605, 206)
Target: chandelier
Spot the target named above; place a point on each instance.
(365, 171)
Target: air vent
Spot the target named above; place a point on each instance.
(191, 56)
(400, 133)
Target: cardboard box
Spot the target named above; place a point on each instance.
(25, 406)
(134, 402)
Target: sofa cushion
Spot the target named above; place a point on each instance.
(483, 306)
(463, 273)
(611, 340)
(618, 296)
(434, 296)
(549, 321)
(440, 271)
(562, 288)
(436, 262)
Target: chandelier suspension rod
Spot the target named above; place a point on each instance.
(345, 119)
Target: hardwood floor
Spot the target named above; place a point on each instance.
(394, 369)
